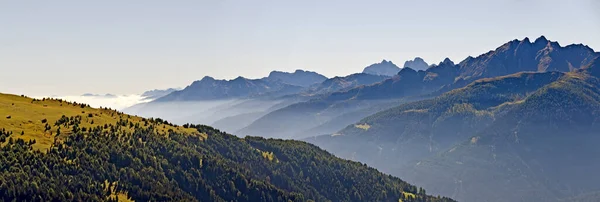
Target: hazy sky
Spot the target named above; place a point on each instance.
(109, 46)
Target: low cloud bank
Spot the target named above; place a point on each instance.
(118, 102)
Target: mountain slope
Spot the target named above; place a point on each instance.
(104, 155)
(234, 117)
(289, 122)
(585, 197)
(157, 93)
(234, 123)
(521, 149)
(499, 138)
(344, 83)
(276, 84)
(334, 124)
(210, 89)
(415, 130)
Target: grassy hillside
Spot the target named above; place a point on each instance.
(122, 157)
(27, 118)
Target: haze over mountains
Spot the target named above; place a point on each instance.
(430, 123)
(302, 104)
(328, 112)
(245, 99)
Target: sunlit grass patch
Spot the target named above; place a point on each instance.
(409, 195)
(30, 119)
(363, 126)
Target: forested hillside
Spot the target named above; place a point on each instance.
(101, 154)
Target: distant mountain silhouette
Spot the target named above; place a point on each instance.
(384, 68)
(297, 78)
(211, 89)
(416, 64)
(276, 84)
(108, 95)
(157, 93)
(408, 82)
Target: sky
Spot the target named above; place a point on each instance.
(73, 47)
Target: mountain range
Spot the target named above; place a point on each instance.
(495, 134)
(297, 78)
(108, 95)
(388, 68)
(157, 93)
(472, 130)
(209, 88)
(246, 100)
(276, 84)
(342, 107)
(321, 106)
(411, 85)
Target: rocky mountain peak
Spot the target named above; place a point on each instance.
(385, 68)
(416, 64)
